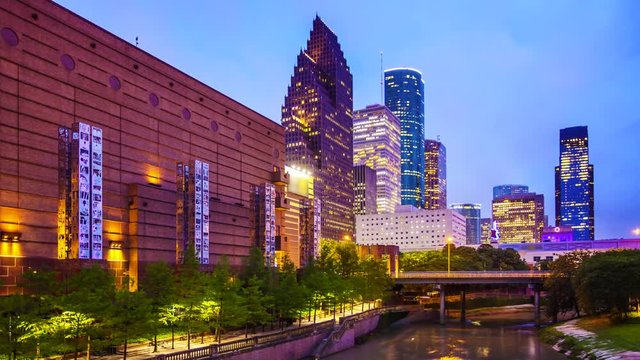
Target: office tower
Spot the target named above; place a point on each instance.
(364, 190)
(574, 184)
(557, 234)
(435, 175)
(376, 143)
(412, 229)
(485, 225)
(472, 213)
(519, 217)
(404, 96)
(509, 189)
(317, 117)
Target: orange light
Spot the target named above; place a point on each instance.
(636, 231)
(153, 175)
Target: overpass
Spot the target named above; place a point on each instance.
(443, 278)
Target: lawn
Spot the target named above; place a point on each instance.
(622, 336)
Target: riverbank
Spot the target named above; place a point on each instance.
(595, 337)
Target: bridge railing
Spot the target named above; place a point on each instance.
(473, 274)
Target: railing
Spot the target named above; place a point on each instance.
(241, 344)
(472, 274)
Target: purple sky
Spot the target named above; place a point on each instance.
(502, 77)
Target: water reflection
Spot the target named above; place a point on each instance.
(430, 341)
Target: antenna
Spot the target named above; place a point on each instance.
(381, 81)
(136, 41)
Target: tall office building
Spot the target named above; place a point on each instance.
(509, 189)
(364, 189)
(485, 232)
(317, 117)
(574, 184)
(519, 217)
(376, 143)
(472, 213)
(404, 96)
(435, 175)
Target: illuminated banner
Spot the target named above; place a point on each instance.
(317, 207)
(192, 211)
(205, 213)
(270, 224)
(84, 184)
(80, 192)
(96, 193)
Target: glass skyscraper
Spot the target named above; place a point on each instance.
(574, 184)
(435, 175)
(376, 143)
(520, 217)
(472, 213)
(404, 96)
(509, 189)
(318, 122)
(364, 189)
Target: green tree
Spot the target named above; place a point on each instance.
(158, 285)
(316, 282)
(190, 290)
(256, 304)
(223, 306)
(289, 295)
(34, 332)
(130, 316)
(13, 309)
(170, 316)
(73, 326)
(561, 295)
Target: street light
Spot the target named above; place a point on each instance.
(449, 256)
(636, 231)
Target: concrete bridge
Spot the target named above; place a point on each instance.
(443, 278)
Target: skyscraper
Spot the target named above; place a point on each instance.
(318, 121)
(519, 217)
(376, 143)
(472, 213)
(509, 189)
(404, 96)
(485, 226)
(574, 184)
(435, 175)
(364, 190)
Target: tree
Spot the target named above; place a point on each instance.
(190, 289)
(316, 282)
(72, 325)
(34, 331)
(170, 316)
(289, 295)
(256, 304)
(130, 316)
(12, 311)
(607, 281)
(158, 285)
(561, 295)
(223, 306)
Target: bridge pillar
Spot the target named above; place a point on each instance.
(463, 307)
(443, 320)
(536, 302)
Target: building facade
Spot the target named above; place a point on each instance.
(485, 232)
(519, 218)
(509, 189)
(317, 116)
(59, 70)
(574, 184)
(404, 96)
(472, 213)
(557, 234)
(364, 190)
(412, 229)
(376, 143)
(435, 175)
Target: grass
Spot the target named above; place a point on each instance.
(622, 336)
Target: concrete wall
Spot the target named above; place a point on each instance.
(296, 349)
(348, 340)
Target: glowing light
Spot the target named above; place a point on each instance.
(153, 175)
(636, 231)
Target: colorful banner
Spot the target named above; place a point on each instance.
(96, 193)
(205, 213)
(198, 209)
(317, 207)
(270, 224)
(84, 184)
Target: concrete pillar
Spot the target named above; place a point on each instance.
(442, 306)
(536, 304)
(463, 307)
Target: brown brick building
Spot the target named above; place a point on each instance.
(57, 69)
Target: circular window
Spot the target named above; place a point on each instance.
(238, 136)
(214, 126)
(114, 82)
(67, 61)
(154, 100)
(276, 153)
(9, 36)
(186, 114)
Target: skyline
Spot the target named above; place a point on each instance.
(571, 65)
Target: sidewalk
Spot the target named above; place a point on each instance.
(144, 350)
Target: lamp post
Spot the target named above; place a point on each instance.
(636, 231)
(448, 256)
